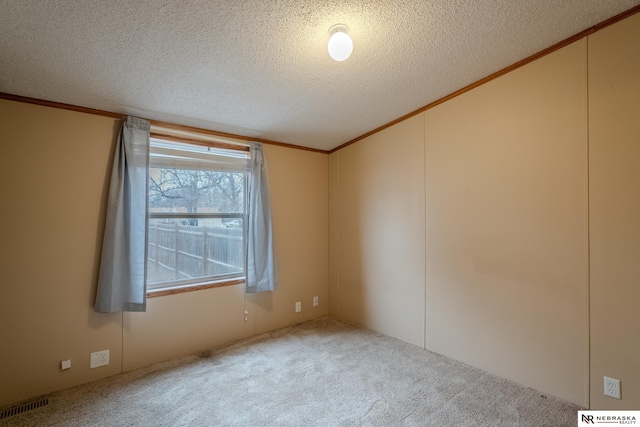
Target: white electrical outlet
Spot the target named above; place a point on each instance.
(315, 301)
(612, 387)
(65, 364)
(298, 307)
(99, 358)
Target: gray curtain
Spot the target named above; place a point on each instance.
(122, 281)
(261, 265)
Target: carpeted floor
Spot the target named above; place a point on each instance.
(318, 373)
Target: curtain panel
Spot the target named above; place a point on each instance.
(122, 278)
(261, 265)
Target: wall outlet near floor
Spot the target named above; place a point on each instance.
(612, 387)
(65, 364)
(315, 301)
(99, 358)
(298, 307)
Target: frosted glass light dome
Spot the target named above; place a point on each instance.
(340, 45)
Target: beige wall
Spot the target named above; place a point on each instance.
(54, 168)
(532, 231)
(181, 324)
(53, 174)
(333, 233)
(379, 231)
(504, 172)
(506, 183)
(299, 184)
(614, 168)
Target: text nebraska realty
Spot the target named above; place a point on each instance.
(610, 419)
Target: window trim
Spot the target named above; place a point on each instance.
(180, 289)
(198, 139)
(164, 215)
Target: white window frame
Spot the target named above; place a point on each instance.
(168, 153)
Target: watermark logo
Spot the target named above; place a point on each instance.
(627, 418)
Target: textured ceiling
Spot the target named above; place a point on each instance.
(260, 68)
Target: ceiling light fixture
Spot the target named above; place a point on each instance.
(340, 44)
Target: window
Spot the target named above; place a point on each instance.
(197, 214)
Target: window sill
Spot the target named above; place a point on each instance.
(193, 287)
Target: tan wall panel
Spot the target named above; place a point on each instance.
(380, 221)
(614, 166)
(181, 324)
(299, 184)
(333, 233)
(53, 166)
(506, 251)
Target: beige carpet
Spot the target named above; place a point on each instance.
(319, 373)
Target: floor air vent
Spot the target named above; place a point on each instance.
(24, 407)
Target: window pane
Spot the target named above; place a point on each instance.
(191, 249)
(196, 191)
